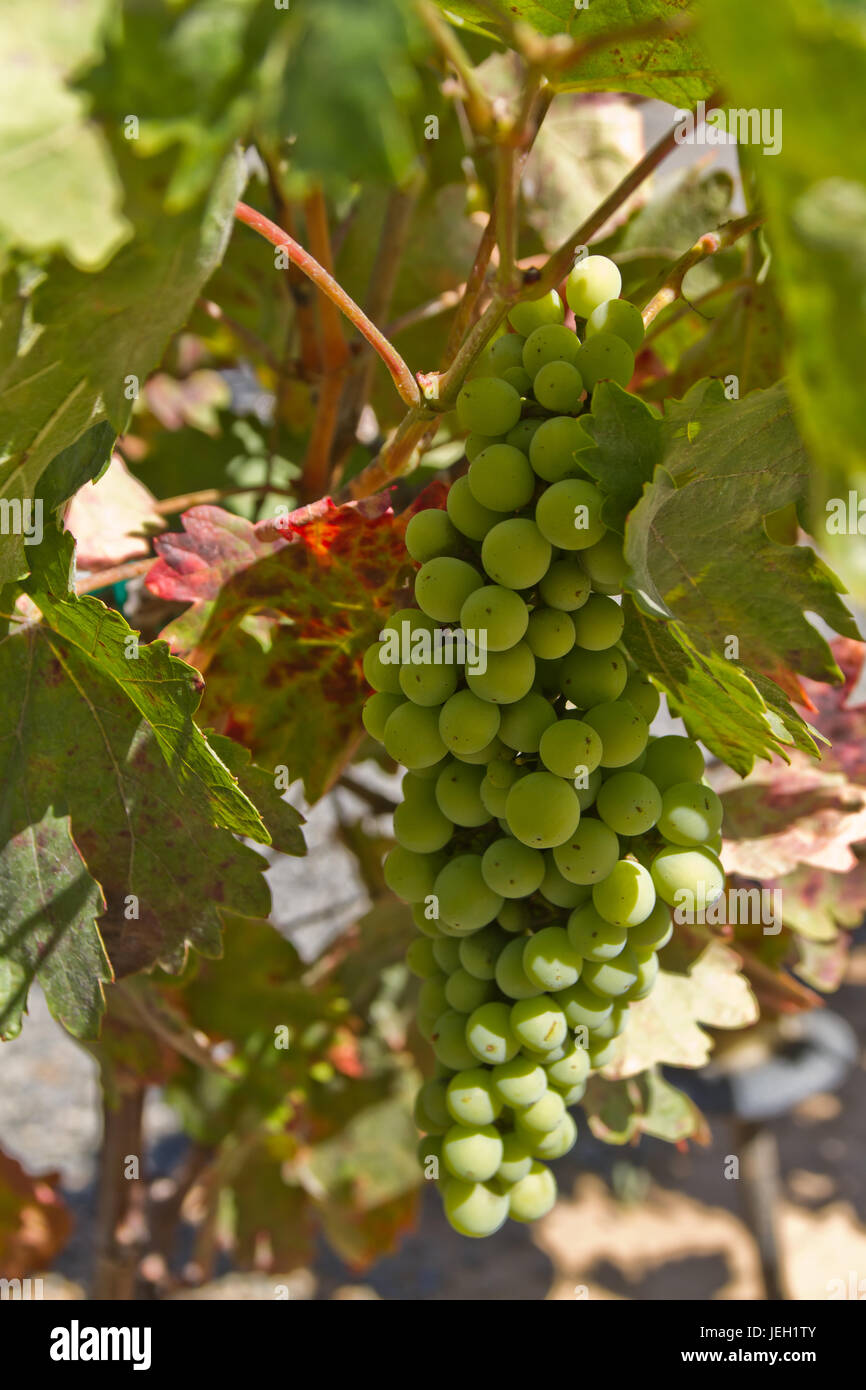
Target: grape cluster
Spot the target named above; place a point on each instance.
(543, 834)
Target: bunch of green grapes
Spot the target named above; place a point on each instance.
(543, 835)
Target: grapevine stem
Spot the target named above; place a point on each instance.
(392, 460)
(401, 375)
(669, 284)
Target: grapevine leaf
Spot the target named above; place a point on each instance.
(737, 715)
(282, 821)
(51, 155)
(665, 1027)
(670, 68)
(745, 340)
(697, 546)
(619, 1111)
(34, 1221)
(73, 346)
(111, 518)
(627, 446)
(814, 191)
(291, 690)
(83, 462)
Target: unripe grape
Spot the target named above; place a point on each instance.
(673, 759)
(458, 794)
(558, 386)
(599, 623)
(490, 1036)
(565, 586)
(568, 745)
(550, 343)
(542, 810)
(465, 901)
(515, 553)
(523, 723)
(626, 896)
(589, 853)
(501, 478)
(568, 514)
(431, 533)
(592, 937)
(474, 1209)
(512, 869)
(691, 813)
(590, 679)
(516, 1157)
(605, 358)
(467, 723)
(534, 313)
(505, 352)
(376, 711)
(468, 516)
(488, 405)
(619, 317)
(443, 585)
(592, 281)
(629, 803)
(550, 633)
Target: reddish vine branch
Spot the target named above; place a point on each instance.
(401, 375)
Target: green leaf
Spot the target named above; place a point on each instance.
(744, 340)
(83, 462)
(697, 546)
(738, 716)
(59, 189)
(75, 347)
(627, 446)
(671, 69)
(619, 1111)
(814, 191)
(280, 818)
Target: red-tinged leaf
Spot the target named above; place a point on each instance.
(362, 1237)
(282, 638)
(34, 1221)
(194, 564)
(823, 963)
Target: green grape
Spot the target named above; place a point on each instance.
(558, 386)
(429, 926)
(542, 810)
(519, 1082)
(431, 996)
(629, 803)
(507, 678)
(592, 281)
(534, 313)
(505, 352)
(615, 1023)
(446, 953)
(488, 405)
(469, 517)
(465, 901)
(472, 1099)
(489, 1035)
(407, 621)
(474, 1209)
(523, 723)
(601, 1053)
(611, 978)
(523, 434)
(516, 1158)
(589, 853)
(411, 736)
(673, 759)
(501, 478)
(644, 696)
(443, 585)
(592, 936)
(411, 876)
(586, 794)
(431, 533)
(691, 813)
(550, 633)
(515, 553)
(599, 623)
(472, 1152)
(376, 711)
(636, 764)
(520, 379)
(479, 952)
(626, 896)
(653, 932)
(582, 1008)
(554, 448)
(420, 958)
(593, 678)
(493, 797)
(605, 358)
(605, 564)
(458, 796)
(647, 973)
(497, 617)
(568, 745)
(619, 317)
(539, 1023)
(448, 1040)
(466, 723)
(476, 443)
(489, 753)
(503, 772)
(428, 684)
(565, 586)
(545, 1115)
(552, 342)
(431, 1111)
(512, 869)
(622, 730)
(570, 1070)
(384, 676)
(569, 514)
(557, 889)
(465, 994)
(550, 960)
(513, 916)
(558, 1142)
(432, 770)
(688, 878)
(511, 977)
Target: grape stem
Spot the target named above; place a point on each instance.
(668, 285)
(478, 106)
(401, 375)
(334, 353)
